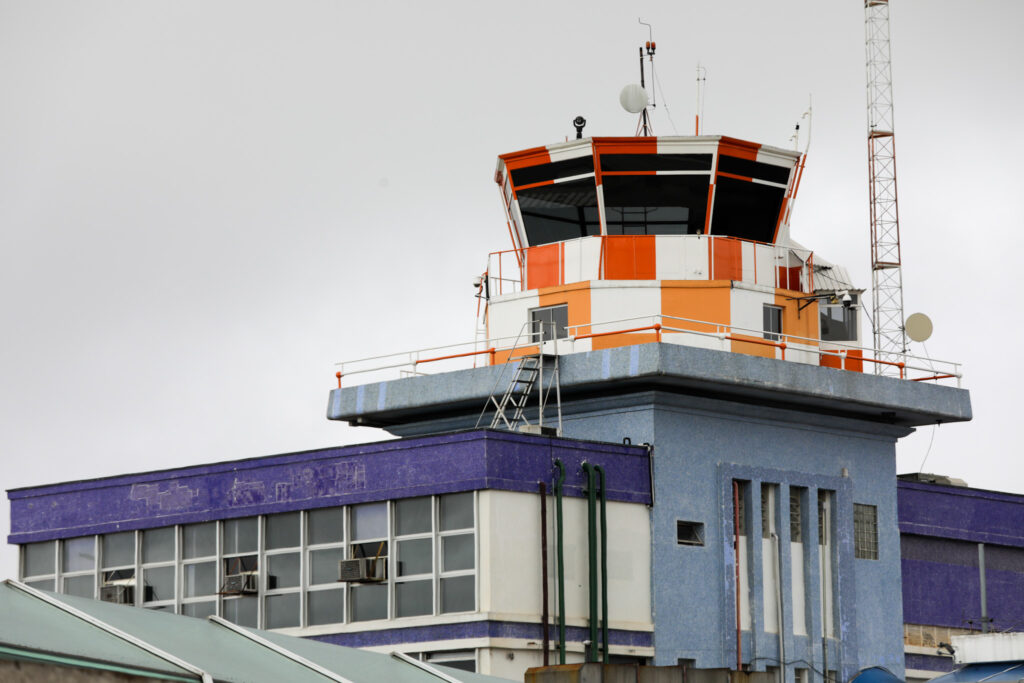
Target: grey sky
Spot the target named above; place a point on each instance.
(204, 205)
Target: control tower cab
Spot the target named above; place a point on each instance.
(683, 240)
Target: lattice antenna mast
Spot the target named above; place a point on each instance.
(886, 277)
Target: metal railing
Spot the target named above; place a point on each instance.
(666, 328)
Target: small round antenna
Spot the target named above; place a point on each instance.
(633, 98)
(918, 327)
(579, 122)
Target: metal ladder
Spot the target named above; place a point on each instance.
(529, 374)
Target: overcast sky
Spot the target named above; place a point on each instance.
(205, 205)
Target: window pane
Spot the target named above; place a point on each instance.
(412, 516)
(324, 565)
(39, 558)
(240, 535)
(369, 602)
(282, 610)
(161, 608)
(562, 211)
(200, 579)
(457, 552)
(118, 549)
(199, 610)
(241, 611)
(457, 511)
(865, 532)
(416, 556)
(458, 594)
(159, 584)
(369, 549)
(326, 525)
(325, 607)
(158, 545)
(796, 532)
(41, 584)
(282, 571)
(200, 540)
(79, 554)
(82, 586)
(414, 598)
(241, 564)
(283, 531)
(369, 521)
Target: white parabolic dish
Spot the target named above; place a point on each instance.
(633, 98)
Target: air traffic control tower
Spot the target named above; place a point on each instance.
(653, 295)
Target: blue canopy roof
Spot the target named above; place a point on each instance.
(989, 672)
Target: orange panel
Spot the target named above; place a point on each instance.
(543, 265)
(503, 356)
(797, 323)
(629, 257)
(613, 341)
(695, 300)
(728, 259)
(853, 360)
(830, 362)
(733, 147)
(762, 350)
(577, 296)
(527, 157)
(637, 145)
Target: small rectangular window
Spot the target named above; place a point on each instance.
(772, 322)
(550, 323)
(689, 533)
(741, 509)
(838, 322)
(865, 532)
(767, 510)
(824, 521)
(796, 534)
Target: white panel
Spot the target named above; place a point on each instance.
(570, 150)
(590, 258)
(796, 555)
(506, 317)
(744, 588)
(765, 265)
(696, 258)
(747, 261)
(748, 310)
(700, 341)
(571, 264)
(988, 647)
(769, 585)
(623, 301)
(687, 145)
(670, 253)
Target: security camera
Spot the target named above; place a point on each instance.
(578, 123)
(847, 299)
(478, 281)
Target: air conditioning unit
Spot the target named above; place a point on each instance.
(245, 583)
(118, 592)
(363, 570)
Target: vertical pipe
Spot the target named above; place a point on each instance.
(736, 551)
(606, 655)
(545, 618)
(560, 560)
(981, 576)
(592, 555)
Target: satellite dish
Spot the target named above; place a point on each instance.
(633, 98)
(918, 327)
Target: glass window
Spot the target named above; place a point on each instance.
(369, 521)
(824, 521)
(200, 610)
(326, 525)
(655, 205)
(458, 594)
(118, 550)
(414, 598)
(241, 535)
(283, 530)
(457, 552)
(415, 556)
(463, 660)
(562, 211)
(772, 322)
(200, 579)
(413, 516)
(42, 584)
(282, 610)
(369, 549)
(158, 545)
(689, 533)
(159, 583)
(325, 607)
(39, 558)
(457, 511)
(369, 602)
(767, 510)
(838, 323)
(796, 532)
(865, 532)
(199, 540)
(550, 323)
(283, 571)
(82, 586)
(242, 611)
(324, 565)
(79, 554)
(241, 564)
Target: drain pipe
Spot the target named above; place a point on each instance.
(736, 552)
(545, 617)
(592, 554)
(560, 560)
(782, 611)
(603, 477)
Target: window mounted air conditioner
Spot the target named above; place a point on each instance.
(244, 583)
(120, 592)
(363, 570)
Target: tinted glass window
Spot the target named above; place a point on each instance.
(158, 545)
(38, 558)
(753, 169)
(457, 511)
(550, 323)
(283, 530)
(746, 210)
(562, 211)
(326, 525)
(413, 516)
(655, 205)
(838, 323)
(656, 162)
(118, 549)
(558, 169)
(325, 607)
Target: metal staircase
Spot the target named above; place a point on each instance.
(529, 374)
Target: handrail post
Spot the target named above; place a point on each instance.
(338, 375)
(782, 345)
(657, 332)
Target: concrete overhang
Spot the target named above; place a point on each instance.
(668, 368)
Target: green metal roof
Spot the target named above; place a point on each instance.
(72, 631)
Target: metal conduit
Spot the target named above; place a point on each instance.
(560, 560)
(592, 555)
(605, 656)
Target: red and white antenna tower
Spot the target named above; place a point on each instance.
(886, 278)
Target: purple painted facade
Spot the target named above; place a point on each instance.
(465, 461)
(941, 528)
